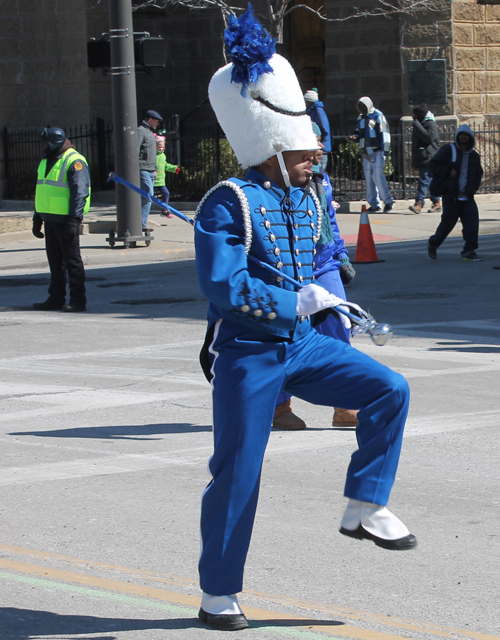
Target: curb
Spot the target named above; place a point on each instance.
(169, 255)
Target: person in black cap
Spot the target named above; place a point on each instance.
(62, 198)
(147, 159)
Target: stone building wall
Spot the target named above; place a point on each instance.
(362, 58)
(44, 77)
(194, 53)
(43, 66)
(476, 39)
(99, 85)
(427, 36)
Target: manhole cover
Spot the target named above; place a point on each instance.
(415, 296)
(154, 301)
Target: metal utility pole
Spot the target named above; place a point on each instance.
(122, 71)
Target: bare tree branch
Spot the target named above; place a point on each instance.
(149, 3)
(276, 10)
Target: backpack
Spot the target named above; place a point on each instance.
(437, 186)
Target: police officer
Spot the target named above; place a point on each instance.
(62, 198)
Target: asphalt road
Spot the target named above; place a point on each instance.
(105, 432)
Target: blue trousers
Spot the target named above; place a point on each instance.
(163, 194)
(424, 181)
(147, 184)
(248, 375)
(376, 182)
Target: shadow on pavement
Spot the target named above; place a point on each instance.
(406, 289)
(153, 290)
(21, 250)
(24, 624)
(120, 432)
(465, 349)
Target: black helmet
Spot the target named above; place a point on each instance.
(54, 137)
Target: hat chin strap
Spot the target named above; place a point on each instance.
(284, 172)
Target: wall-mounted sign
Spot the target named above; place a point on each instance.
(427, 81)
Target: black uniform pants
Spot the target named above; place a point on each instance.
(64, 256)
(453, 210)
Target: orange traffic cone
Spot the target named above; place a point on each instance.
(365, 248)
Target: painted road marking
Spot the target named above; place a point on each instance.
(139, 602)
(84, 400)
(118, 589)
(152, 593)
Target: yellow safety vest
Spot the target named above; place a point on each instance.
(52, 192)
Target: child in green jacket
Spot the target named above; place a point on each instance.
(161, 190)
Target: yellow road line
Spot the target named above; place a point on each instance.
(179, 598)
(193, 601)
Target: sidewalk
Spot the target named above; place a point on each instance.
(172, 238)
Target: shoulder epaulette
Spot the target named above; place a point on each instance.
(247, 223)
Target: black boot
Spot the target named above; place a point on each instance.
(48, 305)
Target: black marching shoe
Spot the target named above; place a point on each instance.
(367, 521)
(389, 207)
(48, 305)
(74, 308)
(374, 209)
(408, 542)
(223, 622)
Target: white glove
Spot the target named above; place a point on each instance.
(313, 298)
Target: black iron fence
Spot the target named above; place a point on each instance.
(23, 152)
(346, 166)
(206, 158)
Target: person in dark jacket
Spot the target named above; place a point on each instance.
(62, 197)
(424, 144)
(316, 111)
(456, 174)
(147, 159)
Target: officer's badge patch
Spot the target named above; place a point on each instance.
(78, 165)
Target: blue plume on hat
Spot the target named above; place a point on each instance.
(250, 47)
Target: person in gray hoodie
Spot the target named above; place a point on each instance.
(374, 137)
(456, 175)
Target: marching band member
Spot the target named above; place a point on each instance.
(260, 339)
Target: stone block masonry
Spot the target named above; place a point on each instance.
(476, 43)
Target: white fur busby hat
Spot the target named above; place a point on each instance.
(257, 97)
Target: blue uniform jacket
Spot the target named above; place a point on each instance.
(330, 254)
(280, 233)
(318, 115)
